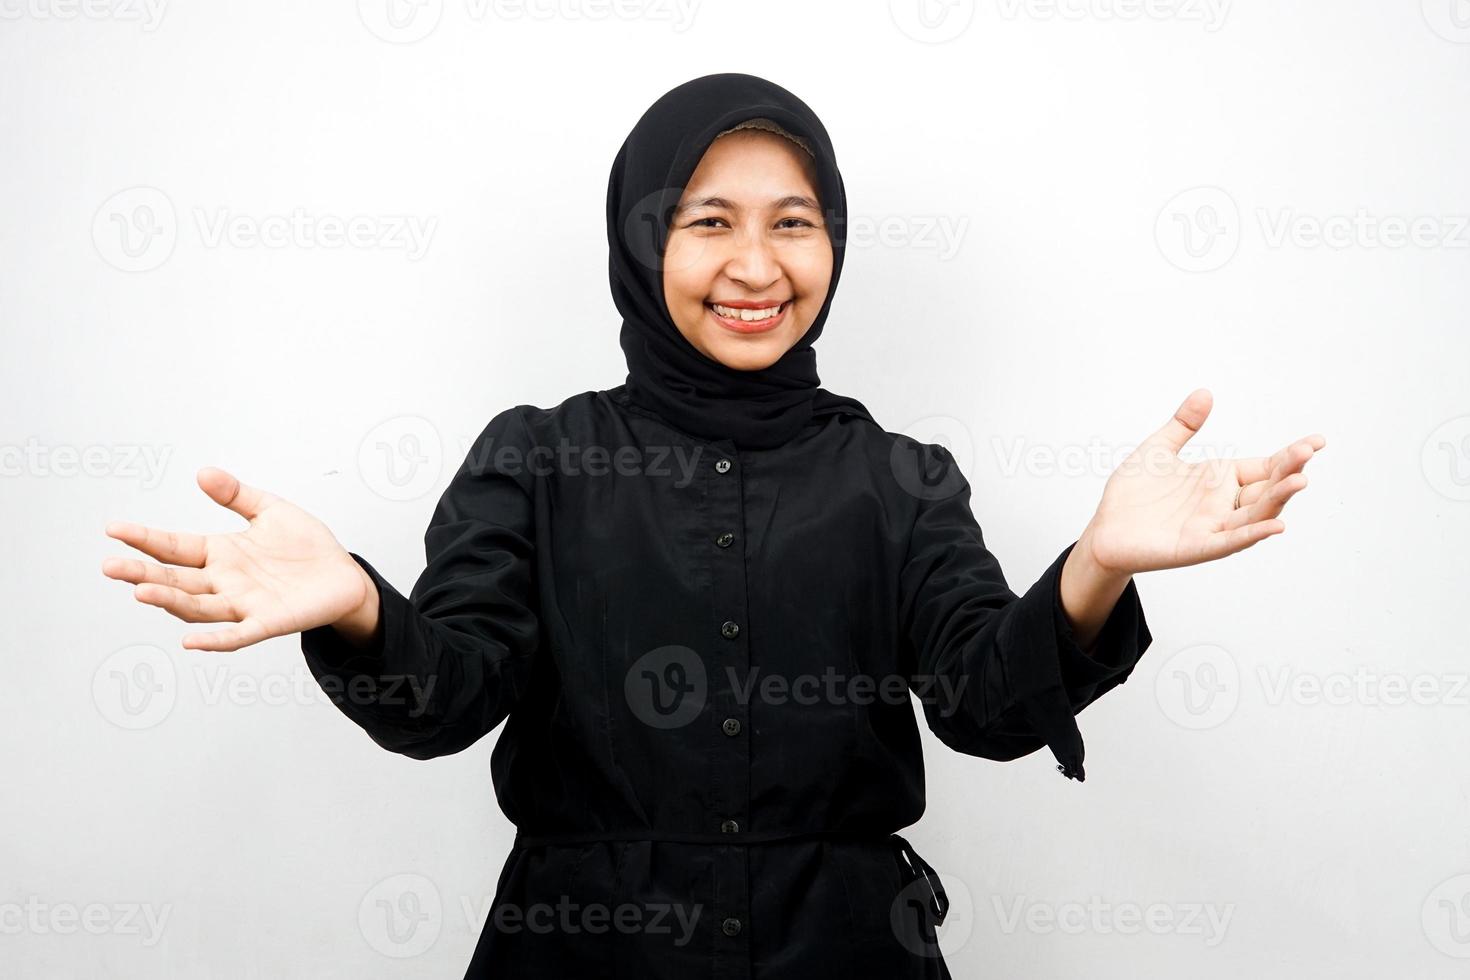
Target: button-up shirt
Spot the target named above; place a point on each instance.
(708, 659)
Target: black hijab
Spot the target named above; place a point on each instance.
(666, 374)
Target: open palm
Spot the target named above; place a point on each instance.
(1159, 511)
(282, 574)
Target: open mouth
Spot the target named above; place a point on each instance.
(747, 320)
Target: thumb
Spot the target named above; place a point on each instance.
(1187, 420)
(224, 489)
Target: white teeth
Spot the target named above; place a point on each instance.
(735, 314)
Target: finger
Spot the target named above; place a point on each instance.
(1224, 543)
(137, 571)
(1270, 467)
(175, 547)
(1253, 470)
(231, 638)
(1293, 458)
(1268, 503)
(1249, 494)
(1276, 496)
(227, 491)
(187, 606)
(1259, 468)
(1187, 420)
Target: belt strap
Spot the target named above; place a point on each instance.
(674, 837)
(915, 867)
(919, 868)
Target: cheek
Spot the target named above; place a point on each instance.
(812, 274)
(808, 264)
(676, 293)
(685, 281)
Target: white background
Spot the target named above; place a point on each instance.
(1086, 211)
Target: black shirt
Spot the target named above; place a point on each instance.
(706, 658)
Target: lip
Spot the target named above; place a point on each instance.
(750, 326)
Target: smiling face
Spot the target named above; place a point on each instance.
(748, 262)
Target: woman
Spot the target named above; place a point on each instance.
(703, 598)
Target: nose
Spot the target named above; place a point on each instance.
(753, 263)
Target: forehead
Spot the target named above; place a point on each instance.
(754, 162)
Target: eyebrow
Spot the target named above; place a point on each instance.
(780, 204)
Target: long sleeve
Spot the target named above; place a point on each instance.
(1018, 676)
(453, 657)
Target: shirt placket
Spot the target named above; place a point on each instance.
(729, 724)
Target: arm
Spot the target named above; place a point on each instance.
(429, 674)
(1019, 674)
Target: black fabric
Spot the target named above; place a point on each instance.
(578, 583)
(667, 374)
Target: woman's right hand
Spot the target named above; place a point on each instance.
(282, 574)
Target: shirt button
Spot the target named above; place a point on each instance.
(729, 630)
(732, 726)
(729, 827)
(722, 466)
(724, 540)
(731, 926)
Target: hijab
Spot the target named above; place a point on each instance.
(667, 375)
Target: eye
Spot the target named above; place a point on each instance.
(800, 223)
(700, 222)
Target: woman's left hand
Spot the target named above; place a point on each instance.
(1158, 511)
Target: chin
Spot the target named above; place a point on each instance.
(749, 357)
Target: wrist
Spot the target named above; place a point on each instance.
(360, 625)
(1092, 572)
(1088, 591)
(1098, 564)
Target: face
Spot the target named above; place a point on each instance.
(748, 261)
